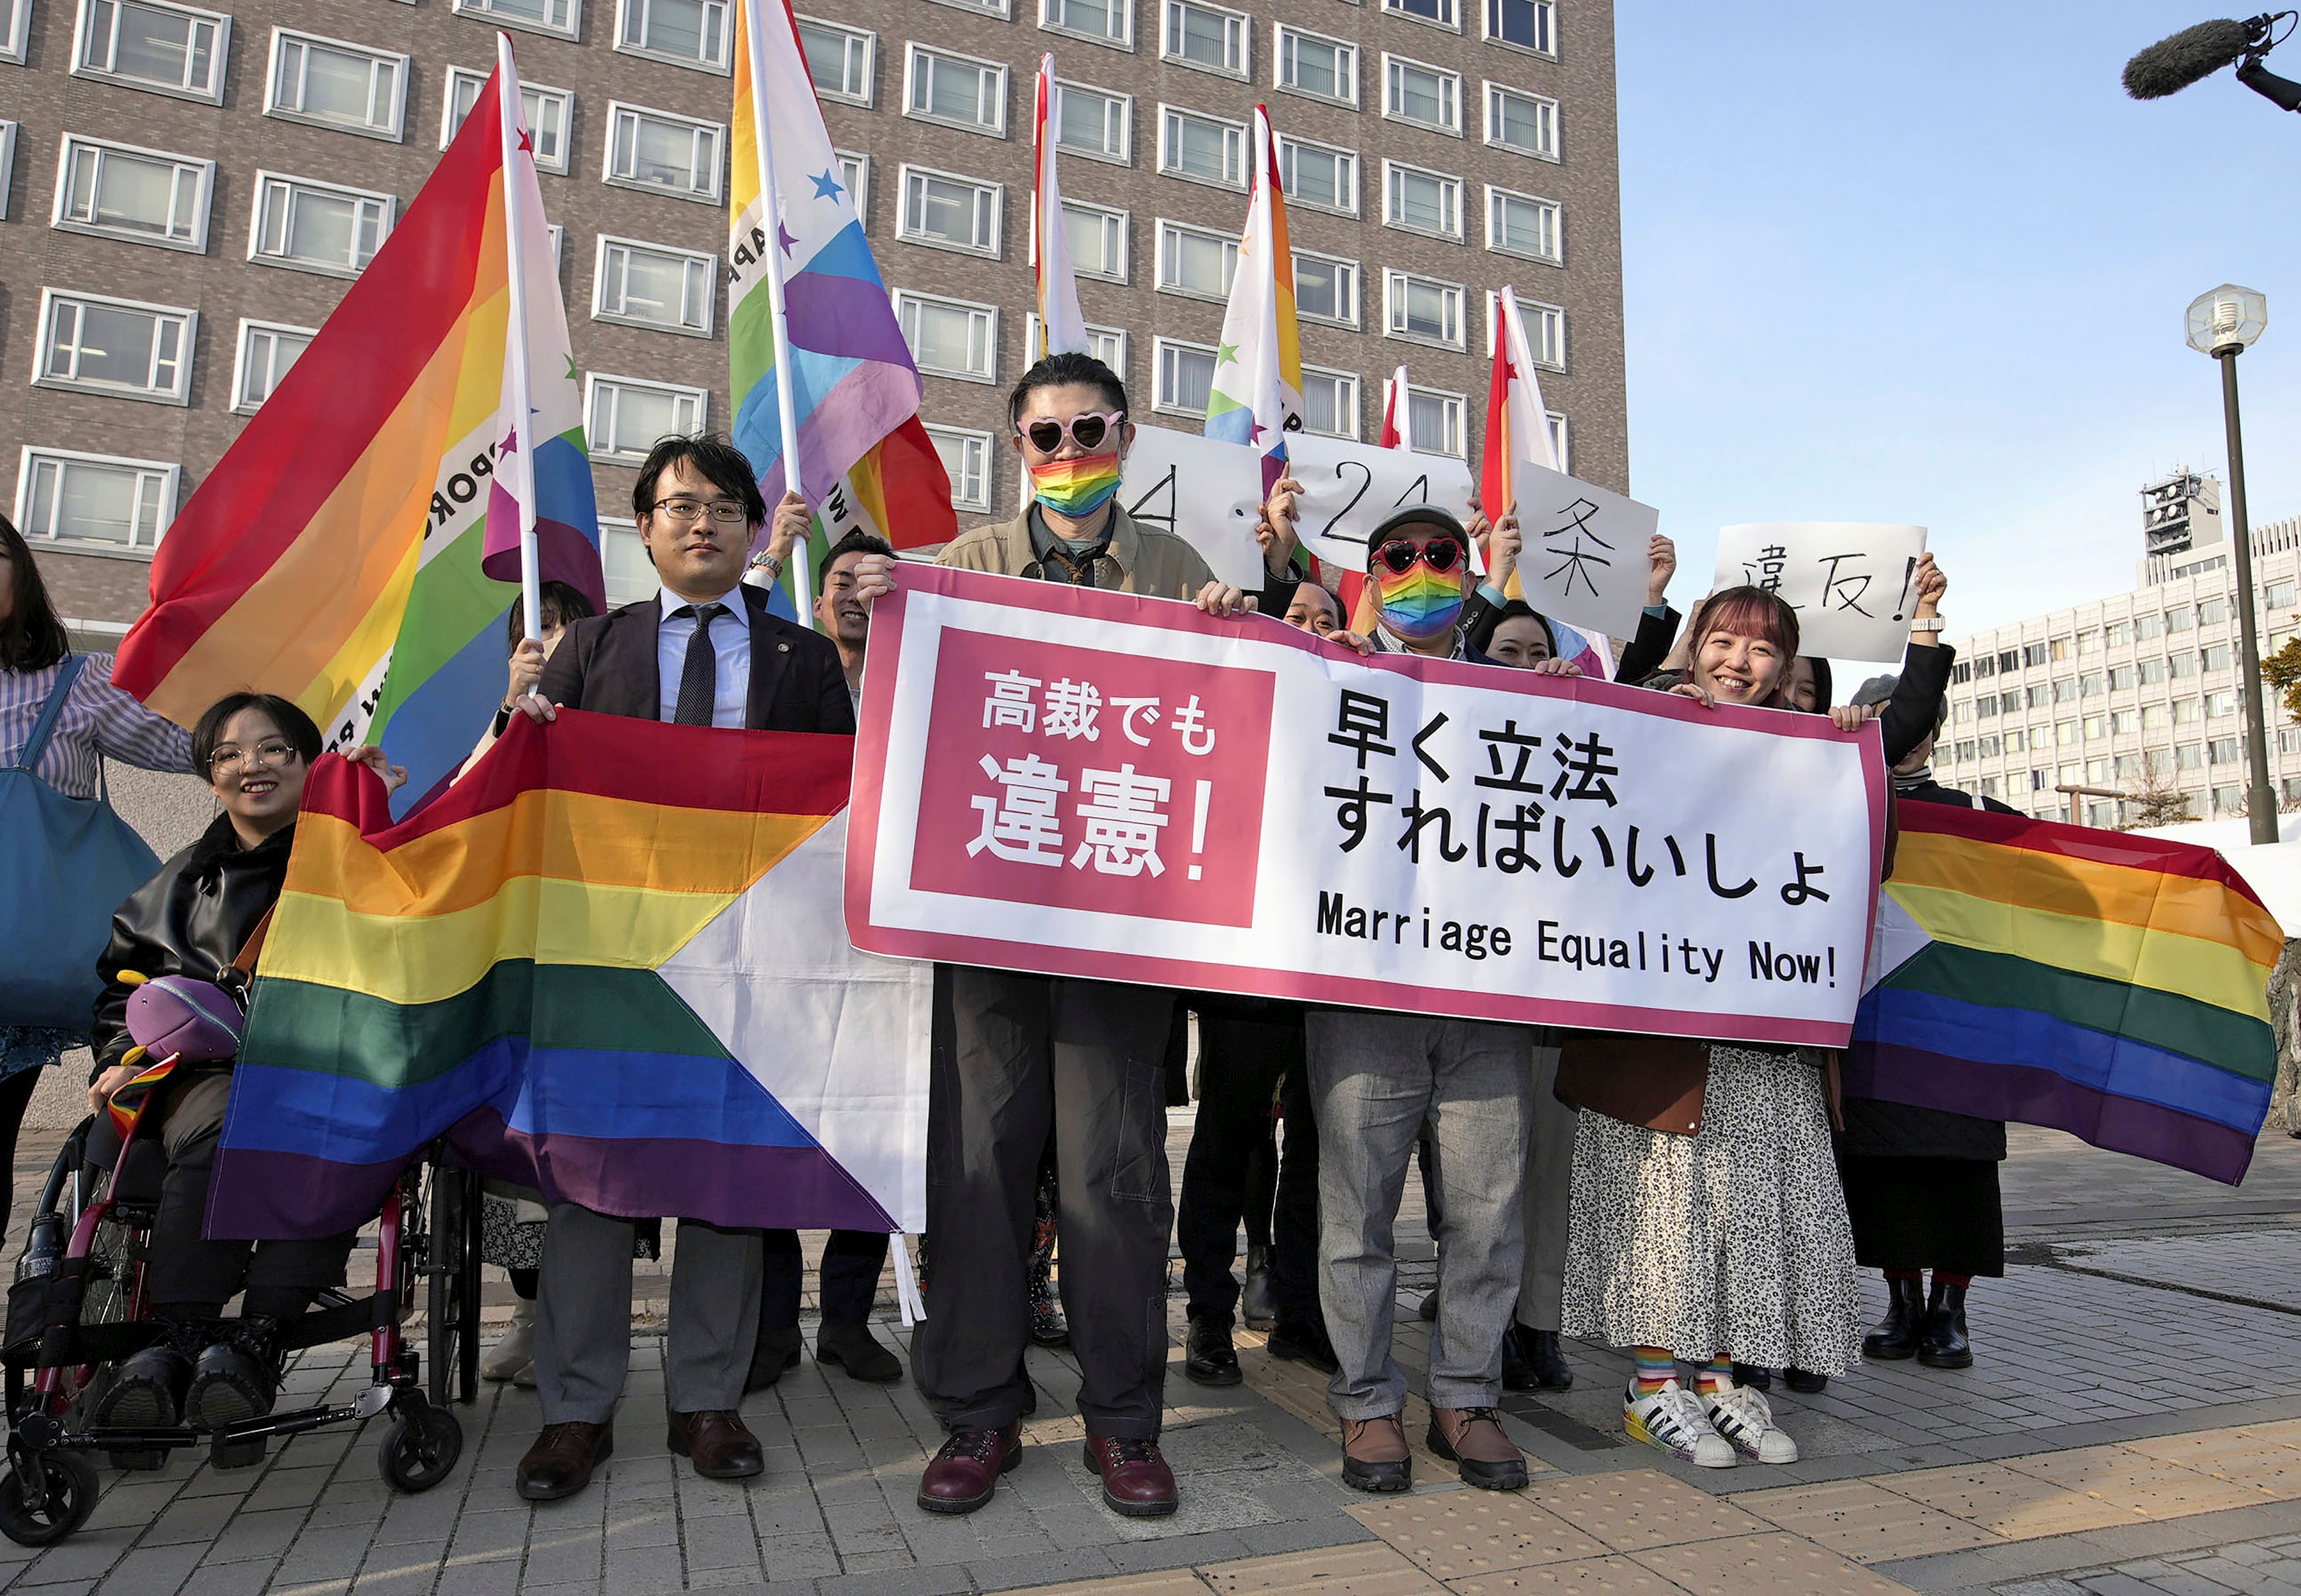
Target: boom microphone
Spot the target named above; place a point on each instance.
(2191, 55)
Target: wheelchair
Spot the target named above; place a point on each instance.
(77, 1306)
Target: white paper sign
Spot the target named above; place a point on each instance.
(1204, 490)
(1349, 488)
(1583, 559)
(1853, 583)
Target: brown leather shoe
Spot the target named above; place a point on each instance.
(721, 1449)
(1135, 1479)
(561, 1461)
(1472, 1439)
(961, 1476)
(1374, 1456)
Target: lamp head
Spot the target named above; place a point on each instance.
(2228, 318)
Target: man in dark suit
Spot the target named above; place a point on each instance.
(703, 652)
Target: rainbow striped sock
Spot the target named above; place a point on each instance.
(1719, 1371)
(1655, 1368)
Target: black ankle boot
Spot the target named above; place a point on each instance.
(147, 1391)
(1531, 1361)
(1942, 1345)
(1896, 1335)
(237, 1378)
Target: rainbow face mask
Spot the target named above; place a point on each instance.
(1418, 603)
(1076, 488)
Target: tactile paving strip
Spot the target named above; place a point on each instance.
(1639, 1508)
(1455, 1534)
(2018, 1506)
(1590, 1576)
(1776, 1563)
(1864, 1521)
(1337, 1571)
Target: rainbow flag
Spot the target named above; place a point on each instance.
(1257, 396)
(2108, 985)
(357, 547)
(611, 963)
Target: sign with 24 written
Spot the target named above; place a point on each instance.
(1081, 782)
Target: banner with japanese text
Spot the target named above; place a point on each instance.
(1082, 783)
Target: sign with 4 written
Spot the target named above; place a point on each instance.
(1082, 783)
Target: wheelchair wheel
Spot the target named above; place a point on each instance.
(62, 1499)
(420, 1450)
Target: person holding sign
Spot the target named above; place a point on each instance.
(1657, 622)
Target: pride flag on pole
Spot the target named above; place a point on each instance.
(1257, 384)
(1061, 325)
(357, 549)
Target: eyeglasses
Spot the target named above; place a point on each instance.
(722, 510)
(1441, 554)
(1087, 430)
(272, 750)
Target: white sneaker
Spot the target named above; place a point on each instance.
(514, 1355)
(1746, 1420)
(1672, 1421)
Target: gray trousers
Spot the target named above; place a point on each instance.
(583, 1316)
(1375, 1077)
(1549, 1193)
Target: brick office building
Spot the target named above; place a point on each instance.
(184, 191)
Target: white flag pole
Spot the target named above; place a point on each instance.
(786, 413)
(522, 464)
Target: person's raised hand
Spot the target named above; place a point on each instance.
(395, 776)
(1503, 549)
(1218, 598)
(1661, 564)
(789, 528)
(1554, 666)
(100, 1089)
(526, 669)
(1357, 642)
(875, 577)
(1931, 585)
(1849, 717)
(1697, 692)
(1276, 530)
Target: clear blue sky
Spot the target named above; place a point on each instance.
(1929, 265)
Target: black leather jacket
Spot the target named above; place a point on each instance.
(190, 919)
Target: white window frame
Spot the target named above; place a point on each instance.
(84, 23)
(978, 503)
(282, 37)
(1238, 27)
(451, 125)
(994, 250)
(171, 481)
(7, 165)
(239, 359)
(594, 380)
(904, 296)
(1158, 348)
(1231, 130)
(1559, 440)
(859, 181)
(1353, 378)
(487, 12)
(1118, 351)
(1494, 140)
(1125, 8)
(1496, 196)
(619, 109)
(1394, 286)
(710, 263)
(1126, 240)
(266, 178)
(614, 530)
(1125, 156)
(1358, 289)
(1392, 170)
(558, 237)
(1392, 63)
(1287, 144)
(1451, 24)
(870, 42)
(913, 52)
(188, 332)
(1278, 37)
(1545, 329)
(722, 67)
(1548, 7)
(202, 174)
(1461, 412)
(1171, 229)
(15, 31)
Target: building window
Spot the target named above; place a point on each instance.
(1105, 22)
(1098, 240)
(1093, 121)
(944, 212)
(562, 17)
(2148, 626)
(1195, 262)
(2183, 666)
(95, 498)
(317, 227)
(1326, 288)
(663, 154)
(653, 285)
(627, 416)
(548, 112)
(624, 563)
(123, 192)
(1521, 224)
(115, 346)
(855, 171)
(1209, 37)
(1311, 63)
(1424, 310)
(1318, 177)
(2118, 634)
(153, 44)
(1330, 403)
(1441, 14)
(1186, 377)
(1106, 344)
(2121, 678)
(1528, 24)
(2180, 620)
(1545, 330)
(956, 90)
(346, 87)
(2218, 705)
(1524, 122)
(2151, 671)
(950, 337)
(2213, 611)
(692, 33)
(2035, 653)
(1201, 147)
(15, 29)
(266, 350)
(1434, 423)
(837, 60)
(967, 461)
(1422, 201)
(7, 165)
(1558, 441)
(2281, 596)
(1428, 96)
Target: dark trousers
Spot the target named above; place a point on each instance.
(1243, 1059)
(849, 1277)
(1012, 1055)
(16, 1096)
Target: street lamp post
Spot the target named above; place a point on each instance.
(2223, 323)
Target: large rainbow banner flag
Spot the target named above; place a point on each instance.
(610, 963)
(357, 547)
(2109, 985)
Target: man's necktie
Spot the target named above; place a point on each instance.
(698, 678)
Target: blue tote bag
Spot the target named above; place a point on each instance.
(65, 864)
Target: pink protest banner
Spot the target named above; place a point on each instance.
(1088, 783)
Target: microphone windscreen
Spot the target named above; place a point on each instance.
(2172, 64)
